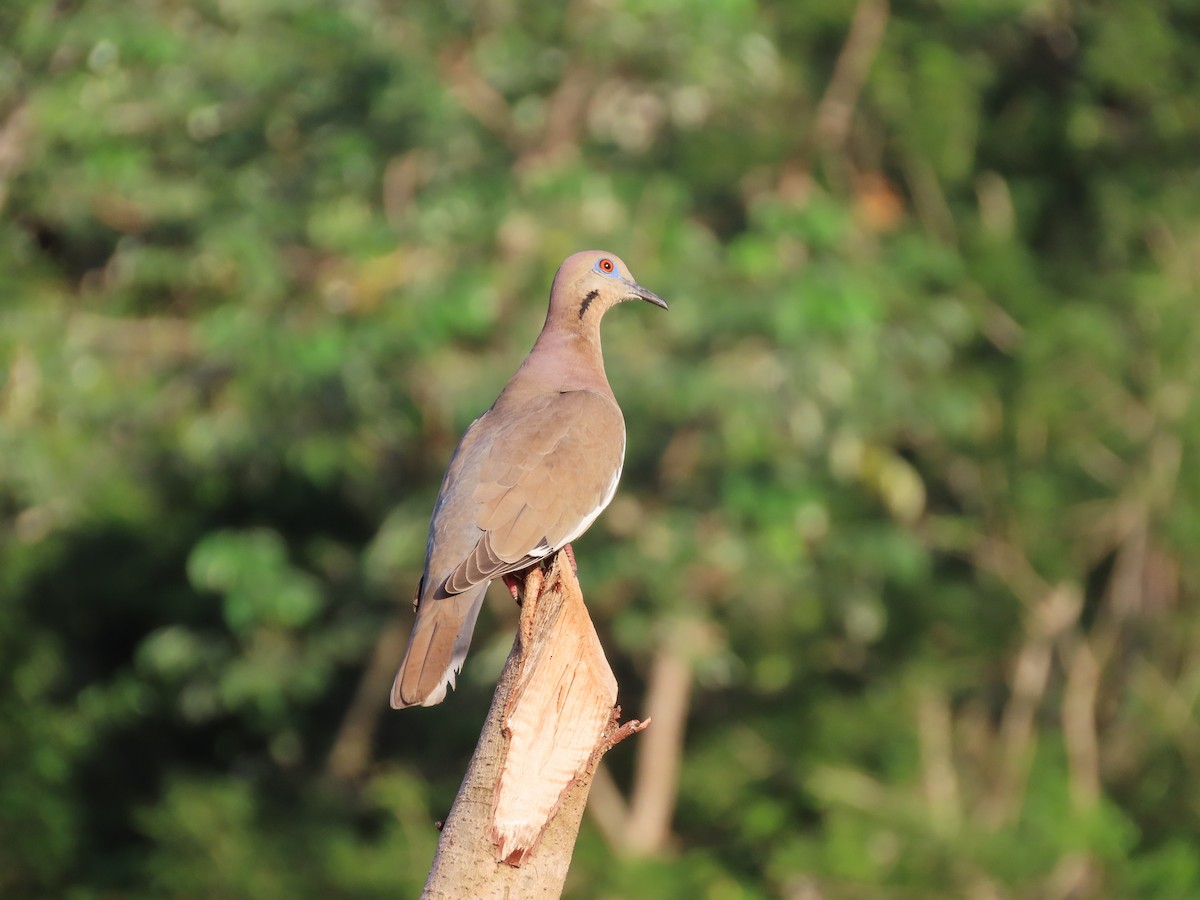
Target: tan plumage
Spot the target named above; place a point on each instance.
(529, 476)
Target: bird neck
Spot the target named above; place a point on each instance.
(568, 360)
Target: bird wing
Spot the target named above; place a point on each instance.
(547, 474)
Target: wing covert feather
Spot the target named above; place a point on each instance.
(548, 472)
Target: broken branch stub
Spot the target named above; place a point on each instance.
(552, 718)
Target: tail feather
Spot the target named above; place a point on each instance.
(438, 645)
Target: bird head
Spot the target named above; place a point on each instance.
(588, 284)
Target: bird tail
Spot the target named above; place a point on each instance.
(437, 647)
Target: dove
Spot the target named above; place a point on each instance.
(529, 476)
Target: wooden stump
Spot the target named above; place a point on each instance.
(512, 829)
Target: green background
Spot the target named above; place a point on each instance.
(910, 499)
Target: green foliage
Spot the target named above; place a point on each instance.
(908, 481)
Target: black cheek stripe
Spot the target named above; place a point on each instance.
(587, 301)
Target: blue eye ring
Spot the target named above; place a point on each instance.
(606, 266)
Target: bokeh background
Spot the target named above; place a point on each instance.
(904, 560)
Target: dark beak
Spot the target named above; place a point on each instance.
(637, 292)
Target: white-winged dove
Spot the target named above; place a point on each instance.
(529, 476)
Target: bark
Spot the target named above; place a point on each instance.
(512, 829)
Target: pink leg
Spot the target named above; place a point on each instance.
(571, 556)
(514, 586)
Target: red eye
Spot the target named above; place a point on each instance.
(606, 265)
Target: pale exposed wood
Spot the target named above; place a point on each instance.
(550, 721)
(557, 711)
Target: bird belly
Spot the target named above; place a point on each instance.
(587, 521)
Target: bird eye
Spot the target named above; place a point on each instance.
(606, 266)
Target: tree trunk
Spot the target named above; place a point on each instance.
(512, 829)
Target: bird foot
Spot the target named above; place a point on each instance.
(571, 556)
(514, 587)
